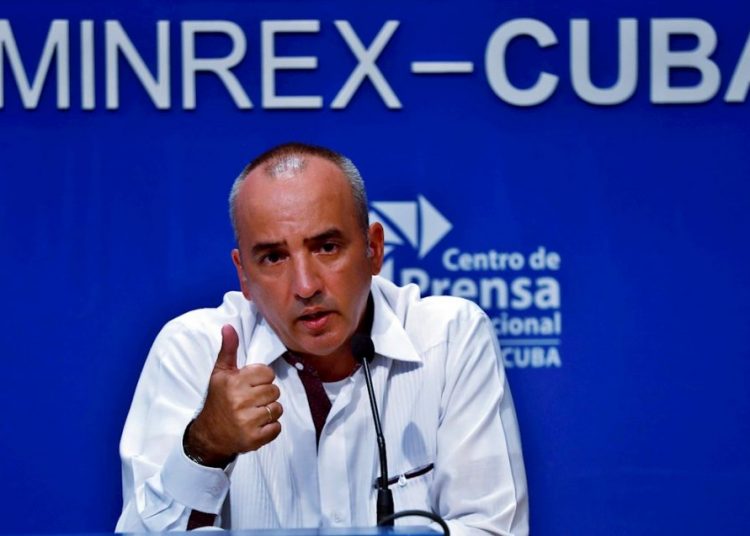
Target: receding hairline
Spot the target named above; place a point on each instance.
(293, 157)
(276, 155)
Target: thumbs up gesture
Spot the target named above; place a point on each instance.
(241, 411)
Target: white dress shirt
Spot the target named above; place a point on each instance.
(443, 400)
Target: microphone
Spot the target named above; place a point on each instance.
(363, 351)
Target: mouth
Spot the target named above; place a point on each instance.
(316, 320)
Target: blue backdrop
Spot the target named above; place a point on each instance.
(596, 204)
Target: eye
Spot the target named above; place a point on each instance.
(273, 257)
(329, 247)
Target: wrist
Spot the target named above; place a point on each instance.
(196, 450)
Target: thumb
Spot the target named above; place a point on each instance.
(227, 358)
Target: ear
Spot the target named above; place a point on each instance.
(376, 243)
(237, 260)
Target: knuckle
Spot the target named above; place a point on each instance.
(266, 373)
(270, 393)
(275, 430)
(258, 374)
(251, 369)
(271, 374)
(260, 395)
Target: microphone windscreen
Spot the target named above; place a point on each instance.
(362, 347)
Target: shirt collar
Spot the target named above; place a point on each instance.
(262, 343)
(388, 335)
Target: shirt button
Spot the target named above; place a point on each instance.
(338, 518)
(299, 366)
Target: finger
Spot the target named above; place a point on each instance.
(267, 414)
(262, 428)
(260, 435)
(269, 432)
(276, 409)
(264, 394)
(227, 358)
(257, 374)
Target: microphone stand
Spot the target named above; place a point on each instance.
(363, 351)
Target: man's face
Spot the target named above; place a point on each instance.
(303, 259)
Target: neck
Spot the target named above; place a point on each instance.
(331, 368)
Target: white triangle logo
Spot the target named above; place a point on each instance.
(403, 214)
(433, 226)
(420, 223)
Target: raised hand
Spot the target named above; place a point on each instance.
(241, 411)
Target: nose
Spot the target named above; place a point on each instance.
(306, 282)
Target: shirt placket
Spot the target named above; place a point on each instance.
(333, 470)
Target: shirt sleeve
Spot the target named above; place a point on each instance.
(161, 486)
(480, 481)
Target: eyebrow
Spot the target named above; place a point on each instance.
(265, 246)
(328, 234)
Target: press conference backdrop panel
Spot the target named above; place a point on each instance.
(579, 169)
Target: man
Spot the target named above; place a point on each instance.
(256, 415)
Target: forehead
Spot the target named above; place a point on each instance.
(298, 197)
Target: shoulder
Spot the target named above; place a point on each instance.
(431, 320)
(233, 310)
(197, 334)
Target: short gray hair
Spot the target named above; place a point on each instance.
(290, 156)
